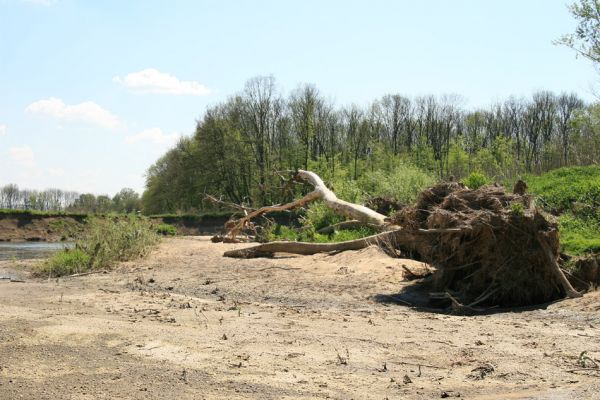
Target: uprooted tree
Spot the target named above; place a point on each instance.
(488, 247)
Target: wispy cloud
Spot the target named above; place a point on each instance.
(2, 130)
(153, 81)
(87, 111)
(155, 135)
(23, 156)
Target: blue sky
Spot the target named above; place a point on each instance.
(93, 92)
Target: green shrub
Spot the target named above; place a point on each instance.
(166, 230)
(402, 183)
(104, 242)
(318, 216)
(351, 234)
(517, 209)
(66, 262)
(475, 180)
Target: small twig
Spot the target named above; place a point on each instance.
(108, 290)
(240, 207)
(10, 279)
(399, 300)
(584, 369)
(278, 267)
(102, 271)
(417, 365)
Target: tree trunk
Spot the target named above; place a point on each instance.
(353, 211)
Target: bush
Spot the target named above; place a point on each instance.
(103, 242)
(475, 180)
(166, 230)
(318, 216)
(66, 262)
(402, 183)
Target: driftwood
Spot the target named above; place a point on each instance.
(413, 241)
(354, 211)
(487, 246)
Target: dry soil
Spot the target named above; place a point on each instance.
(186, 323)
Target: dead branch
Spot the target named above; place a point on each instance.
(413, 240)
(229, 204)
(354, 211)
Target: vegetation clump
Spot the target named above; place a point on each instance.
(104, 242)
(485, 252)
(166, 230)
(573, 194)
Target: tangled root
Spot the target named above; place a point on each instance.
(496, 257)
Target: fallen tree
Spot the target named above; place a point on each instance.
(362, 214)
(487, 246)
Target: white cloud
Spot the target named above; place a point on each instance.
(154, 135)
(153, 81)
(87, 111)
(2, 130)
(23, 156)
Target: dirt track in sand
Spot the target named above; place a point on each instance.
(187, 323)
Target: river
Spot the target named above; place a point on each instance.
(29, 250)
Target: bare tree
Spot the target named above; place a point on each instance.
(567, 105)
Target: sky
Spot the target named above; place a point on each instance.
(93, 92)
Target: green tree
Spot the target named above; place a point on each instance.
(127, 201)
(586, 39)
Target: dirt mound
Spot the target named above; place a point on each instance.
(489, 247)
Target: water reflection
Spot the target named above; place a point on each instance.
(28, 250)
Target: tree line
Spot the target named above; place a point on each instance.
(241, 145)
(11, 197)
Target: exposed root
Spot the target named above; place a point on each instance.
(488, 247)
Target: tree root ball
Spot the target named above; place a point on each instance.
(496, 256)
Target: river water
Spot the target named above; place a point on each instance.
(29, 250)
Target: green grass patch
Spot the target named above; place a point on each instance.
(579, 236)
(282, 232)
(573, 189)
(66, 262)
(574, 194)
(166, 230)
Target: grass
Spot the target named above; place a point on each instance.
(579, 236)
(574, 189)
(282, 232)
(103, 242)
(66, 262)
(165, 230)
(475, 180)
(573, 193)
